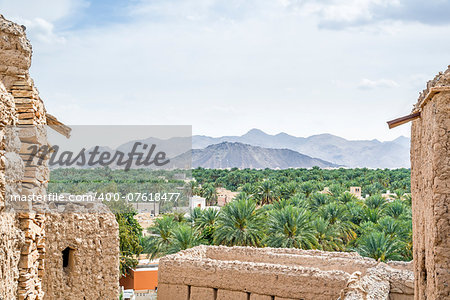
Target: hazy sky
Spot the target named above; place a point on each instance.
(299, 66)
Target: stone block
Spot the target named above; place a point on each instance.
(260, 297)
(202, 293)
(172, 292)
(27, 261)
(231, 295)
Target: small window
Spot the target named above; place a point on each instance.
(68, 258)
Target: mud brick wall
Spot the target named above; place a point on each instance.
(17, 90)
(10, 241)
(430, 184)
(11, 173)
(217, 272)
(32, 238)
(15, 58)
(93, 238)
(31, 264)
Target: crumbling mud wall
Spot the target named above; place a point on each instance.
(11, 174)
(92, 237)
(15, 60)
(10, 240)
(217, 272)
(19, 108)
(430, 187)
(31, 257)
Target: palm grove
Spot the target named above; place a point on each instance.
(285, 208)
(274, 208)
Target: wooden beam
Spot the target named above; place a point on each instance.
(403, 120)
(59, 127)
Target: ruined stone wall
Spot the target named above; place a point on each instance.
(430, 186)
(217, 272)
(93, 236)
(11, 173)
(32, 238)
(19, 108)
(10, 241)
(16, 52)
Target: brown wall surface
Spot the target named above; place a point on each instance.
(31, 242)
(261, 272)
(94, 238)
(430, 185)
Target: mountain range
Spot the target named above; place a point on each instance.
(327, 147)
(238, 155)
(257, 149)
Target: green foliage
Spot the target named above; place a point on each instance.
(183, 237)
(290, 227)
(379, 246)
(240, 224)
(327, 235)
(161, 233)
(206, 224)
(130, 233)
(276, 208)
(294, 213)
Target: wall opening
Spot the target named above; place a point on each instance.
(68, 258)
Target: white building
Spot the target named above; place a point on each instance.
(128, 295)
(356, 191)
(389, 196)
(197, 201)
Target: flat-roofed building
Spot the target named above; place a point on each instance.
(143, 280)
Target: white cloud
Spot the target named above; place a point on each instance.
(42, 31)
(380, 83)
(40, 16)
(343, 11)
(49, 10)
(177, 62)
(339, 14)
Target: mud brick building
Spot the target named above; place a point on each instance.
(430, 187)
(73, 254)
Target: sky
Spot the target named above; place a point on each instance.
(303, 67)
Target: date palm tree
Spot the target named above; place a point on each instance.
(210, 193)
(308, 188)
(206, 224)
(286, 191)
(239, 224)
(392, 227)
(161, 232)
(183, 237)
(375, 202)
(249, 189)
(327, 236)
(337, 215)
(347, 197)
(266, 193)
(317, 200)
(195, 216)
(289, 227)
(379, 246)
(396, 209)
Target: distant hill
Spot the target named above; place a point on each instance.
(256, 149)
(237, 155)
(331, 148)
